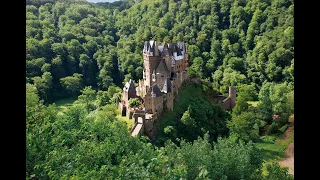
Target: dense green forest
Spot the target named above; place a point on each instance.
(86, 51)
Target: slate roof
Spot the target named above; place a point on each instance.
(167, 86)
(162, 68)
(155, 91)
(166, 49)
(130, 87)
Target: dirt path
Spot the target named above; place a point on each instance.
(288, 160)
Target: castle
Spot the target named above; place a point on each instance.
(165, 69)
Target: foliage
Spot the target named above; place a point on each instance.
(134, 102)
(73, 84)
(276, 99)
(273, 147)
(228, 153)
(87, 97)
(262, 124)
(111, 96)
(276, 172)
(272, 128)
(244, 126)
(283, 128)
(245, 93)
(186, 119)
(196, 116)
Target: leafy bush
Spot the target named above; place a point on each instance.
(284, 128)
(276, 172)
(272, 128)
(244, 125)
(134, 102)
(270, 139)
(262, 124)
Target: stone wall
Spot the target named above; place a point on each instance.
(226, 104)
(157, 104)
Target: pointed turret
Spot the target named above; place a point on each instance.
(130, 87)
(145, 47)
(165, 51)
(151, 49)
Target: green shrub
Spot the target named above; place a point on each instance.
(262, 123)
(134, 102)
(284, 128)
(272, 128)
(270, 139)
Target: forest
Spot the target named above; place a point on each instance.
(86, 52)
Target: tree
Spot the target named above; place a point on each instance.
(39, 126)
(170, 131)
(134, 102)
(110, 96)
(274, 101)
(87, 68)
(105, 77)
(186, 118)
(102, 98)
(265, 106)
(73, 84)
(231, 78)
(32, 97)
(43, 85)
(87, 97)
(274, 171)
(245, 93)
(227, 154)
(196, 69)
(243, 125)
(280, 103)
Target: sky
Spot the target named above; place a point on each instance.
(95, 1)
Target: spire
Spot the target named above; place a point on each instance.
(151, 49)
(165, 51)
(145, 47)
(130, 87)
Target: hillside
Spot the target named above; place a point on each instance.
(207, 117)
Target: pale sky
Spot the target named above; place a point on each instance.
(95, 1)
